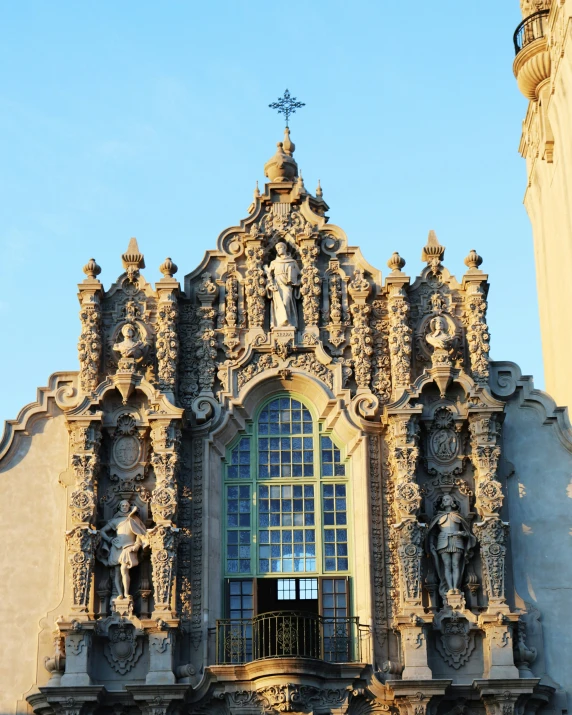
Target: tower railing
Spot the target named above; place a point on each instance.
(287, 634)
(530, 29)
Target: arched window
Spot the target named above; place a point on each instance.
(286, 530)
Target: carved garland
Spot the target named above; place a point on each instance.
(167, 341)
(311, 283)
(90, 343)
(254, 284)
(399, 337)
(477, 333)
(381, 380)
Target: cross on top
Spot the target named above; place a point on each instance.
(286, 105)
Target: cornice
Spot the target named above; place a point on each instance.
(508, 382)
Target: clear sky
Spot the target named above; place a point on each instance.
(150, 119)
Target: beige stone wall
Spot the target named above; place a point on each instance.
(31, 534)
(547, 146)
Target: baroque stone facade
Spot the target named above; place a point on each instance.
(397, 377)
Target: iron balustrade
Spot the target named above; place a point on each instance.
(284, 634)
(531, 28)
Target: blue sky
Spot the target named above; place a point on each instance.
(150, 119)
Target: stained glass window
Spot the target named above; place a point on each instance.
(238, 529)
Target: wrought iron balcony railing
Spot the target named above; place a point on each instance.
(531, 28)
(287, 634)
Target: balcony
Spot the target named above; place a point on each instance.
(530, 29)
(532, 63)
(288, 634)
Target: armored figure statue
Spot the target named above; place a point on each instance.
(283, 279)
(128, 347)
(121, 552)
(450, 543)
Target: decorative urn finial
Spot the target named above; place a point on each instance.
(168, 268)
(91, 269)
(473, 260)
(396, 263)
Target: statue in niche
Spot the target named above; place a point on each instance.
(129, 348)
(283, 280)
(450, 543)
(121, 551)
(439, 337)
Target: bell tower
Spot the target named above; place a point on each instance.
(543, 70)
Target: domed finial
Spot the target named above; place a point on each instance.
(473, 260)
(396, 263)
(319, 192)
(91, 269)
(288, 145)
(433, 253)
(282, 166)
(168, 268)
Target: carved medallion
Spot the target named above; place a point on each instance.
(126, 451)
(456, 642)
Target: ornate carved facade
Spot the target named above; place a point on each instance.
(286, 426)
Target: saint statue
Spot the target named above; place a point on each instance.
(450, 543)
(128, 347)
(439, 337)
(121, 552)
(283, 279)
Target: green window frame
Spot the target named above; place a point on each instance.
(286, 496)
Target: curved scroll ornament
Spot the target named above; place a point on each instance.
(478, 338)
(167, 343)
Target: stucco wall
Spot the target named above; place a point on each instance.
(540, 512)
(32, 551)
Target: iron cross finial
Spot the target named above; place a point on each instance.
(286, 105)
